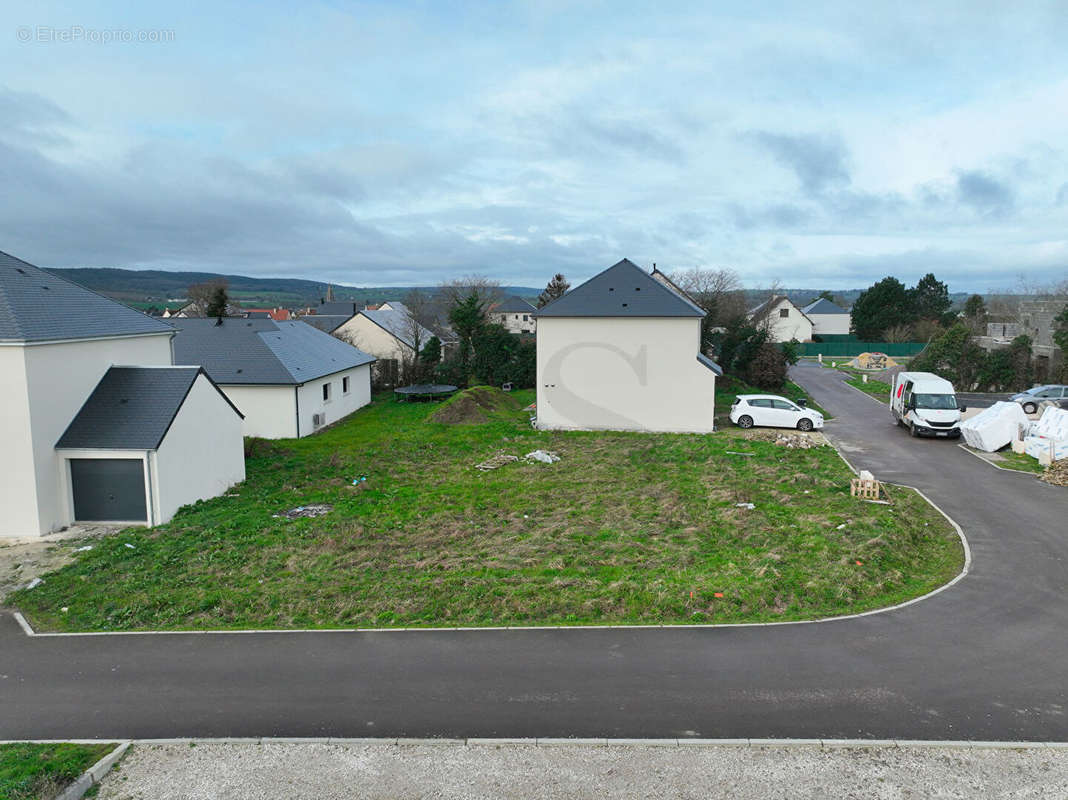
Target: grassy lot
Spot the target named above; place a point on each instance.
(877, 389)
(1020, 461)
(42, 771)
(627, 528)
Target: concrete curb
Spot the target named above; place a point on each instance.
(94, 774)
(101, 768)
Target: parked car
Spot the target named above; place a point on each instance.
(1033, 397)
(773, 411)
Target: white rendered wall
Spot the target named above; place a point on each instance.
(514, 323)
(830, 323)
(270, 411)
(18, 487)
(59, 379)
(310, 398)
(202, 454)
(623, 374)
(372, 339)
(794, 326)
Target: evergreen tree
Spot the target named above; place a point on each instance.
(974, 307)
(218, 303)
(431, 352)
(882, 306)
(930, 298)
(557, 287)
(468, 316)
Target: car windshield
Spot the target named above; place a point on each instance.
(935, 401)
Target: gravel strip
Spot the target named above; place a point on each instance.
(324, 771)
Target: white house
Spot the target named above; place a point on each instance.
(289, 379)
(390, 334)
(97, 422)
(514, 313)
(827, 317)
(784, 320)
(622, 352)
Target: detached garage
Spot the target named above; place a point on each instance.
(148, 441)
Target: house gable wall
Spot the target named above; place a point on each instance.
(18, 487)
(270, 411)
(372, 339)
(623, 374)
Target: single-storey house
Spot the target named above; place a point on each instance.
(514, 313)
(622, 352)
(98, 423)
(827, 317)
(289, 379)
(391, 335)
(784, 320)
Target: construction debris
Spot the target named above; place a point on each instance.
(794, 440)
(1056, 473)
(313, 510)
(873, 361)
(496, 462)
(865, 486)
(544, 456)
(749, 506)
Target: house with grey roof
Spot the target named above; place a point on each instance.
(622, 352)
(783, 320)
(827, 317)
(392, 335)
(99, 424)
(514, 313)
(289, 379)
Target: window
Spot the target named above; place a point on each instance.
(345, 385)
(326, 392)
(760, 402)
(784, 313)
(784, 405)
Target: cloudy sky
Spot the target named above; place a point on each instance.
(821, 145)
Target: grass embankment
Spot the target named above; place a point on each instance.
(877, 389)
(625, 528)
(727, 388)
(1021, 461)
(41, 771)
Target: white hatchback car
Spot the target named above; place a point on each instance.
(773, 411)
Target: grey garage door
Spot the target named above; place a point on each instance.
(108, 489)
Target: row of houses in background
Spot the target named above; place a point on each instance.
(111, 415)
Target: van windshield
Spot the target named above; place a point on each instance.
(935, 401)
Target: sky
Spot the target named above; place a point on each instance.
(817, 145)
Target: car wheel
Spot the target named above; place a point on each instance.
(804, 425)
(1030, 408)
(745, 421)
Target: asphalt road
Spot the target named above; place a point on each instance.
(986, 659)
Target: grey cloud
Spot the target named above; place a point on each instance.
(983, 192)
(819, 161)
(30, 118)
(775, 215)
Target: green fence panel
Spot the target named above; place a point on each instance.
(854, 348)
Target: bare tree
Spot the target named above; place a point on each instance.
(899, 333)
(201, 295)
(717, 291)
(456, 290)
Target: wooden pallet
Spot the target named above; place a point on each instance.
(865, 490)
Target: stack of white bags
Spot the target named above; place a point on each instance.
(995, 427)
(1048, 436)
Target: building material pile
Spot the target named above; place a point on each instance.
(1047, 439)
(873, 361)
(995, 427)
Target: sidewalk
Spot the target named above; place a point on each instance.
(456, 770)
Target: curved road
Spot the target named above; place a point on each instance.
(987, 659)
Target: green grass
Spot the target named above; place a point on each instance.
(1020, 461)
(728, 387)
(40, 771)
(877, 389)
(626, 528)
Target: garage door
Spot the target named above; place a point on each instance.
(108, 489)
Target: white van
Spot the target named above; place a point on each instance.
(926, 405)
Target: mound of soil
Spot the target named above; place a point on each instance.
(474, 406)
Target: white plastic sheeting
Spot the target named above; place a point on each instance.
(1049, 435)
(994, 427)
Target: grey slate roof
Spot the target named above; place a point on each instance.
(398, 323)
(262, 351)
(513, 304)
(708, 362)
(622, 290)
(823, 306)
(132, 408)
(327, 323)
(36, 306)
(334, 308)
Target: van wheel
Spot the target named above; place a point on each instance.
(1030, 408)
(912, 431)
(804, 425)
(745, 421)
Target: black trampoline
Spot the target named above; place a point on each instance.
(424, 391)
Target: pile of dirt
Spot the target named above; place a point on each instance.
(1057, 473)
(474, 406)
(794, 440)
(873, 361)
